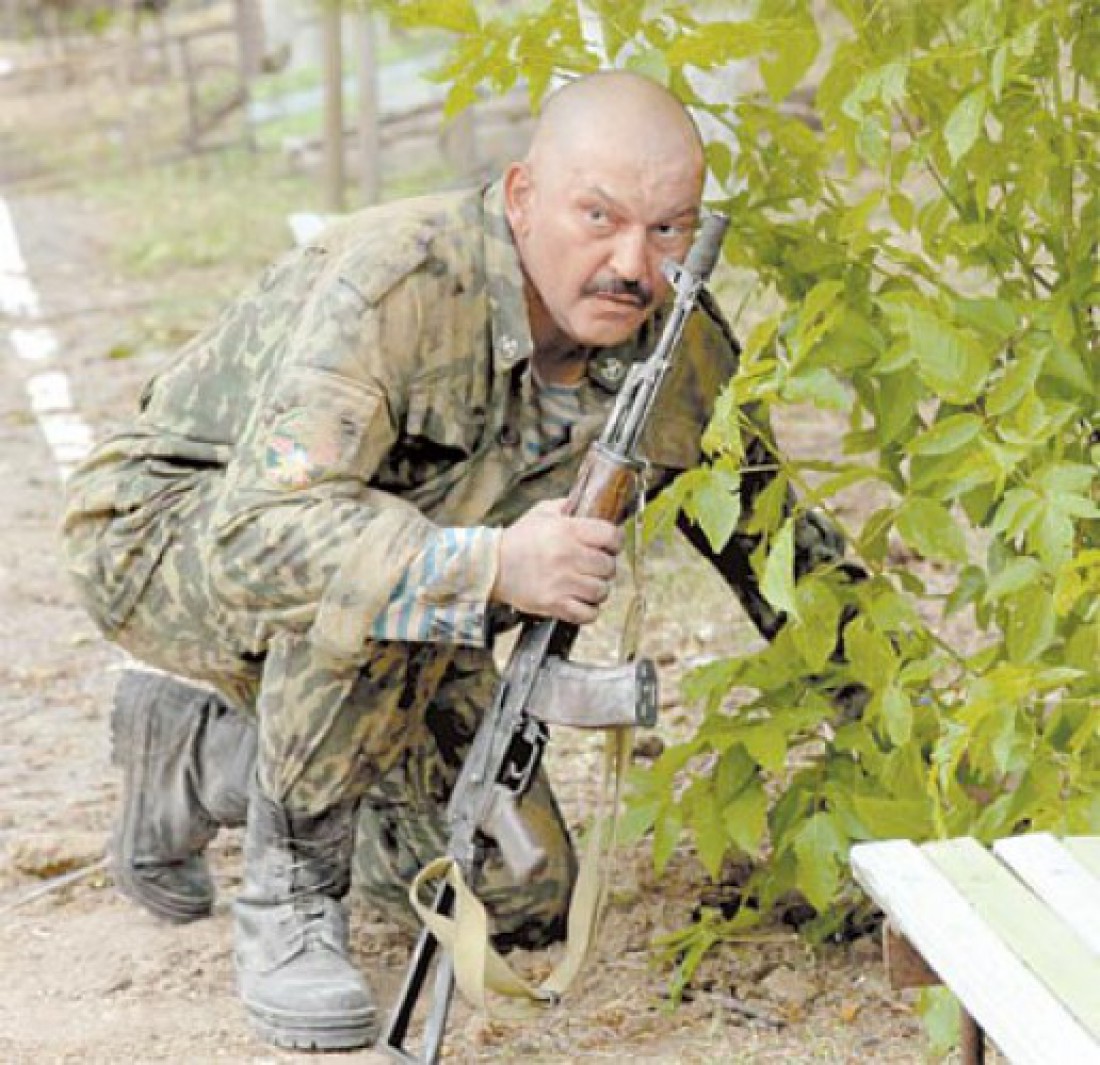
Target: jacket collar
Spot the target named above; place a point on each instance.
(509, 326)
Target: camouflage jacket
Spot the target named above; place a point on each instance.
(368, 391)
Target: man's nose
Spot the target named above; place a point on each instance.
(628, 257)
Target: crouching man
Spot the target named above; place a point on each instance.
(331, 499)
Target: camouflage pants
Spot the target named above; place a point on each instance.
(391, 728)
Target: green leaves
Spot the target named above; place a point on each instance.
(942, 1020)
(949, 360)
(713, 502)
(814, 626)
(784, 44)
(795, 46)
(820, 848)
(915, 259)
(872, 658)
(1017, 381)
(708, 827)
(928, 527)
(1045, 510)
(897, 713)
(947, 436)
(777, 583)
(885, 86)
(1030, 624)
(964, 124)
(745, 818)
(455, 16)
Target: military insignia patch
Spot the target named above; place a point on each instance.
(298, 453)
(608, 369)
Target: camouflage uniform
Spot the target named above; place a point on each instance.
(252, 528)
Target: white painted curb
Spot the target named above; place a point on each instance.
(69, 437)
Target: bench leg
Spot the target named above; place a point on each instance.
(972, 1041)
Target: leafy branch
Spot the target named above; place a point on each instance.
(930, 239)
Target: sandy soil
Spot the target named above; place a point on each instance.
(86, 976)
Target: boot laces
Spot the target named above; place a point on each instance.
(315, 887)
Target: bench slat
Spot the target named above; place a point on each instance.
(1059, 879)
(1086, 849)
(1044, 942)
(1018, 1011)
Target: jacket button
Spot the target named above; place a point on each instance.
(509, 436)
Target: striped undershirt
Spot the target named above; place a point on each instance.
(556, 410)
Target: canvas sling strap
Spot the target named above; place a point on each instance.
(478, 967)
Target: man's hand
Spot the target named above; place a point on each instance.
(556, 566)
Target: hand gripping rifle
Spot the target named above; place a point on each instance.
(539, 687)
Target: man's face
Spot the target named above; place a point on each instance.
(592, 233)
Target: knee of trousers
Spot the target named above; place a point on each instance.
(396, 841)
(142, 577)
(331, 730)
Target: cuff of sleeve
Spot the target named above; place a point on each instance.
(443, 595)
(465, 616)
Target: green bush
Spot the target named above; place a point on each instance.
(925, 229)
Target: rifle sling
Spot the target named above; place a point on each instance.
(478, 968)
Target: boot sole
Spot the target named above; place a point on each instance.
(299, 1032)
(167, 909)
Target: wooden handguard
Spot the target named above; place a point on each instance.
(606, 486)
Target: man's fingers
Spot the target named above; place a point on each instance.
(595, 532)
(596, 564)
(577, 612)
(592, 590)
(555, 565)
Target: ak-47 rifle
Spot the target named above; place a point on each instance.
(538, 686)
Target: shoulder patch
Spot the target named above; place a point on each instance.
(298, 453)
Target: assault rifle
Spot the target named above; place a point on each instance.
(539, 687)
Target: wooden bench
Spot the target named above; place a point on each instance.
(1014, 933)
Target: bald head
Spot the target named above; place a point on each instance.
(614, 107)
(609, 190)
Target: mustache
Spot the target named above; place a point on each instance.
(637, 291)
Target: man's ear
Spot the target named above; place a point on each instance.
(518, 190)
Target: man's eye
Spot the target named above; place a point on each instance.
(667, 231)
(598, 215)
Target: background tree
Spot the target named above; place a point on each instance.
(923, 229)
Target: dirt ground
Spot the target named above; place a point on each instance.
(86, 976)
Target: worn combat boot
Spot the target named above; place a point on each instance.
(295, 977)
(187, 760)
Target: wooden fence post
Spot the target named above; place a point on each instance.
(333, 65)
(250, 37)
(370, 149)
(459, 142)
